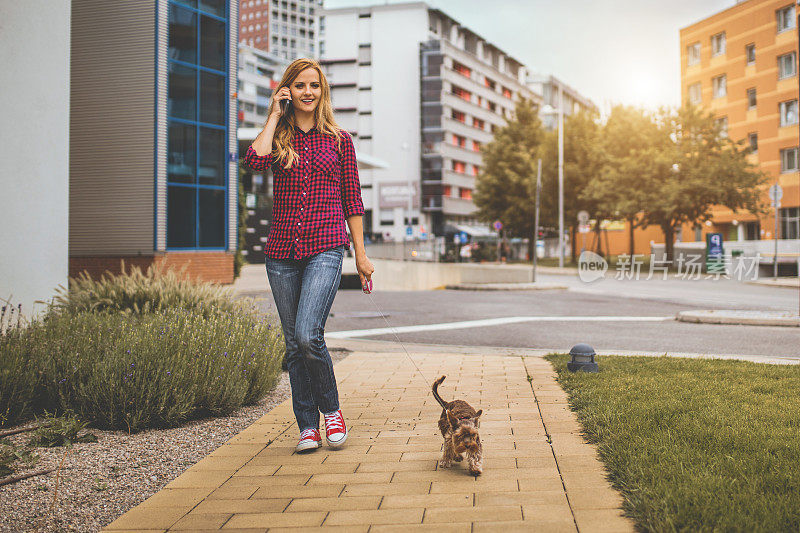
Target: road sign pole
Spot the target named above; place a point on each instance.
(775, 257)
(536, 216)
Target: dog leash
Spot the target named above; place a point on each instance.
(367, 288)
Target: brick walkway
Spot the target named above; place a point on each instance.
(386, 477)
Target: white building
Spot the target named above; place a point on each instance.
(34, 152)
(423, 93)
(259, 74)
(548, 88)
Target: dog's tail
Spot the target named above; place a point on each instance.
(436, 392)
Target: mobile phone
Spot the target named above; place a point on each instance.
(285, 105)
(367, 288)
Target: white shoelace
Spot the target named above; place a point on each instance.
(308, 434)
(334, 421)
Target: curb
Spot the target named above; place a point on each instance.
(740, 318)
(791, 283)
(506, 286)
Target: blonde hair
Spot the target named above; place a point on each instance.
(323, 114)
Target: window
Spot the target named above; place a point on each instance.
(458, 140)
(789, 160)
(465, 194)
(461, 69)
(490, 83)
(788, 113)
(785, 18)
(722, 123)
(718, 44)
(459, 166)
(506, 92)
(693, 54)
(695, 93)
(478, 123)
(752, 231)
(197, 130)
(751, 98)
(786, 65)
(750, 54)
(459, 116)
(447, 190)
(462, 93)
(753, 140)
(789, 222)
(476, 146)
(720, 86)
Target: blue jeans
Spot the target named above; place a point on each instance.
(304, 290)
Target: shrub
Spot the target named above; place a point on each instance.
(19, 379)
(136, 292)
(134, 371)
(60, 431)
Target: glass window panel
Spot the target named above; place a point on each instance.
(181, 153)
(212, 218)
(181, 215)
(215, 7)
(212, 157)
(182, 92)
(190, 3)
(212, 43)
(212, 98)
(182, 34)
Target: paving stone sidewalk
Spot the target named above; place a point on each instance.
(386, 478)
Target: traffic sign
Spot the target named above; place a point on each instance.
(409, 231)
(775, 195)
(497, 225)
(583, 217)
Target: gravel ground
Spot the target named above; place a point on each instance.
(100, 481)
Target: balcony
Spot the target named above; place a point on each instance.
(457, 206)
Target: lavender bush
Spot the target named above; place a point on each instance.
(133, 371)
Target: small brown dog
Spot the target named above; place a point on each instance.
(459, 426)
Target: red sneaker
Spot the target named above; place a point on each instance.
(309, 440)
(335, 429)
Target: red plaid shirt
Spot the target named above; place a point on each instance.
(312, 199)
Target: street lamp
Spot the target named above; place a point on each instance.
(548, 110)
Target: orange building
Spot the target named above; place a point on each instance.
(741, 63)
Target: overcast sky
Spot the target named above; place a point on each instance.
(613, 51)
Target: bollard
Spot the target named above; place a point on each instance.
(582, 359)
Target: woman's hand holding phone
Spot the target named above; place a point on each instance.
(281, 99)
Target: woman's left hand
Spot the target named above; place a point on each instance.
(365, 270)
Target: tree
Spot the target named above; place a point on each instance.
(506, 186)
(583, 162)
(619, 189)
(692, 166)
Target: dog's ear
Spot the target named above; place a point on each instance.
(452, 419)
(477, 418)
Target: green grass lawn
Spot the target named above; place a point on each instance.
(695, 445)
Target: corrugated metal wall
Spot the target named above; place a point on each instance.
(112, 127)
(162, 42)
(233, 172)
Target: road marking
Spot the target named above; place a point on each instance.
(491, 322)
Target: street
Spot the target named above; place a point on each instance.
(628, 301)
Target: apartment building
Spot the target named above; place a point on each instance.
(551, 90)
(423, 93)
(285, 28)
(259, 74)
(741, 63)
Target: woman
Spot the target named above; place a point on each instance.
(316, 188)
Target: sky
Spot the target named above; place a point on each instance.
(613, 51)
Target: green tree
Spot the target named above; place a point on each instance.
(692, 166)
(619, 189)
(506, 187)
(584, 160)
